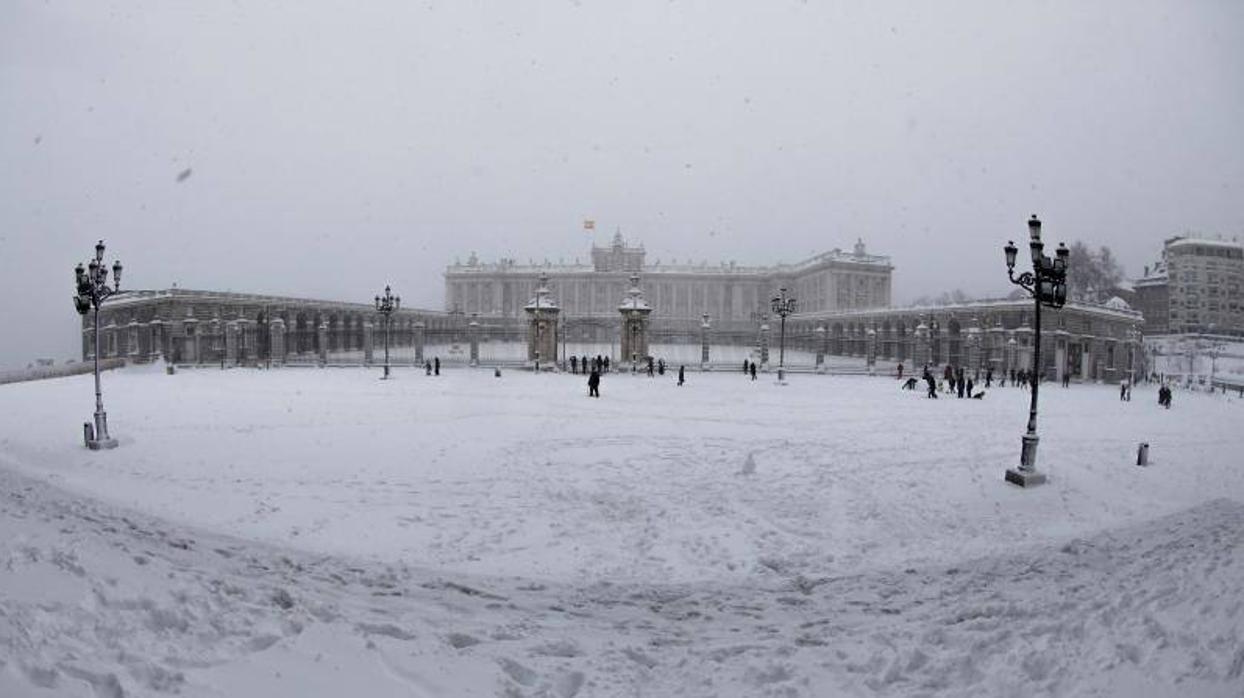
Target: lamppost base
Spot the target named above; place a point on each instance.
(1025, 478)
(781, 377)
(101, 444)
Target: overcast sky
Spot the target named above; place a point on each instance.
(337, 146)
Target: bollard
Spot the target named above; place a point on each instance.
(88, 434)
(1142, 454)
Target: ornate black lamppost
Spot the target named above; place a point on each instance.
(93, 289)
(782, 306)
(385, 305)
(1047, 283)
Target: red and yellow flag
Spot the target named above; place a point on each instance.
(589, 225)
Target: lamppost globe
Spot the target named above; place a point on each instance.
(1011, 251)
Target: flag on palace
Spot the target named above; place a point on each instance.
(589, 225)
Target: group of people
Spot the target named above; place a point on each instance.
(433, 366)
(955, 381)
(749, 368)
(599, 364)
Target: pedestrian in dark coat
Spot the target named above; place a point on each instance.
(928, 378)
(970, 385)
(753, 370)
(574, 364)
(989, 378)
(680, 375)
(427, 367)
(900, 370)
(593, 384)
(606, 364)
(436, 365)
(650, 367)
(959, 385)
(745, 364)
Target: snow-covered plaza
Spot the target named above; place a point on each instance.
(319, 531)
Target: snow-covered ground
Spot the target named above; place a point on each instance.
(318, 531)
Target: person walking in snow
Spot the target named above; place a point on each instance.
(970, 385)
(574, 364)
(427, 368)
(680, 375)
(928, 378)
(745, 364)
(436, 365)
(900, 370)
(753, 370)
(593, 384)
(989, 377)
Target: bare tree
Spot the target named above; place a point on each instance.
(1092, 276)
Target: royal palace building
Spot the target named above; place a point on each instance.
(692, 314)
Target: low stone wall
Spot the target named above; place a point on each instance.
(42, 372)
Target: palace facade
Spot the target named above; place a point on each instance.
(843, 310)
(830, 281)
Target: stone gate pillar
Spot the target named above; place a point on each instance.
(542, 313)
(822, 340)
(704, 330)
(973, 342)
(997, 347)
(473, 338)
(276, 341)
(231, 343)
(921, 357)
(193, 343)
(321, 338)
(764, 346)
(1023, 347)
(420, 336)
(158, 350)
(635, 311)
(870, 348)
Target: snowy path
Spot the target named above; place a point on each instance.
(526, 476)
(106, 602)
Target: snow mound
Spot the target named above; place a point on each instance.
(1149, 609)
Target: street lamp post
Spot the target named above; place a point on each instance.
(385, 305)
(782, 306)
(1047, 283)
(93, 289)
